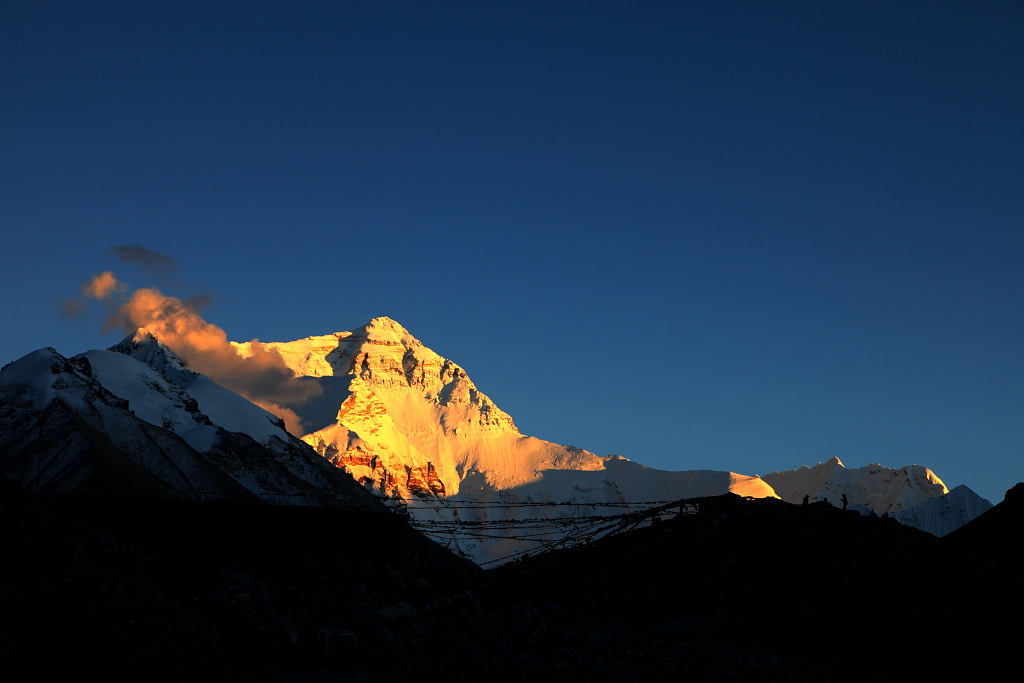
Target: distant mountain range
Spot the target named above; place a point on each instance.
(155, 524)
(388, 423)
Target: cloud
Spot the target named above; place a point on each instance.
(262, 377)
(102, 286)
(72, 308)
(292, 421)
(162, 266)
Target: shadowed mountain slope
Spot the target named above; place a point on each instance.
(730, 589)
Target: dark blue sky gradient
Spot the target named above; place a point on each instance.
(743, 236)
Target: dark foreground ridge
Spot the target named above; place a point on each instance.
(729, 589)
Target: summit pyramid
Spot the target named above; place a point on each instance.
(412, 425)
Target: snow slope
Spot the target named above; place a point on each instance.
(944, 514)
(877, 488)
(913, 494)
(106, 421)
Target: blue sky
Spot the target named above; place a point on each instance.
(703, 235)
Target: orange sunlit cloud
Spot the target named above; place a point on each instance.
(102, 286)
(262, 377)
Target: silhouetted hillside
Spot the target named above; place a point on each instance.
(136, 587)
(734, 589)
(761, 587)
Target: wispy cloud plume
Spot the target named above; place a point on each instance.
(262, 377)
(162, 266)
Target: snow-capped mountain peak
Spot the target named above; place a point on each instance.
(105, 421)
(873, 488)
(403, 421)
(413, 426)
